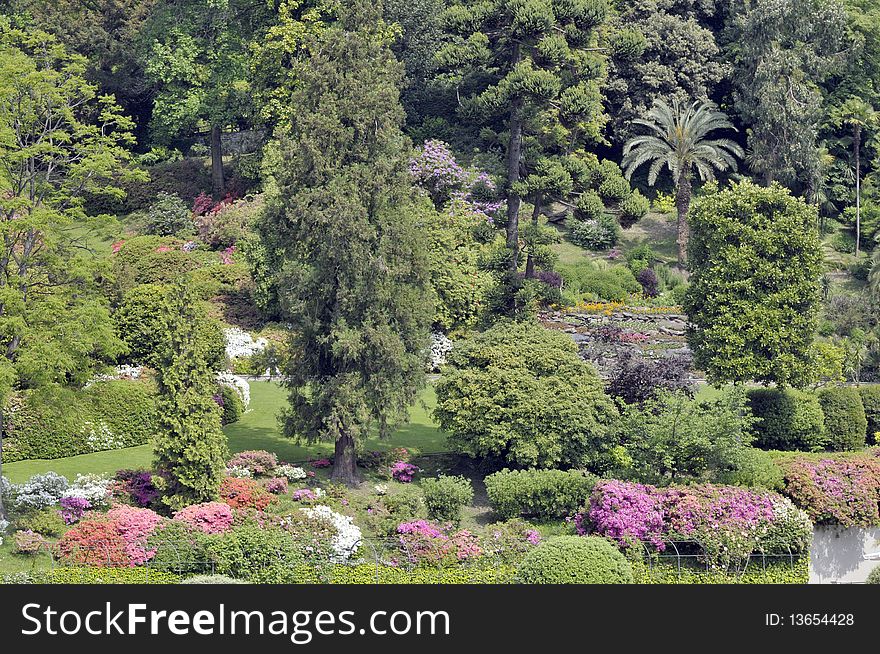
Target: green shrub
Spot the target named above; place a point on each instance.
(254, 553)
(585, 280)
(845, 422)
(754, 468)
(574, 560)
(372, 574)
(522, 394)
(212, 579)
(179, 549)
(589, 206)
(445, 496)
(874, 576)
(871, 402)
(614, 189)
(594, 234)
(152, 260)
(61, 422)
(233, 407)
(633, 208)
(538, 493)
(46, 522)
(789, 419)
(169, 216)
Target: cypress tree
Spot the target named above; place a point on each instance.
(349, 257)
(190, 449)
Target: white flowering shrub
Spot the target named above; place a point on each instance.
(440, 347)
(381, 489)
(124, 371)
(100, 437)
(238, 384)
(239, 472)
(241, 344)
(93, 488)
(39, 491)
(347, 540)
(289, 472)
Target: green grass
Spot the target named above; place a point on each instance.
(258, 429)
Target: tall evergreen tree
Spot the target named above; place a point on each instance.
(529, 69)
(190, 450)
(349, 256)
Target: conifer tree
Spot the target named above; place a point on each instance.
(190, 450)
(349, 257)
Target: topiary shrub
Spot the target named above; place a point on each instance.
(871, 402)
(845, 422)
(789, 419)
(614, 189)
(574, 560)
(445, 496)
(522, 393)
(539, 493)
(633, 209)
(231, 404)
(589, 206)
(595, 233)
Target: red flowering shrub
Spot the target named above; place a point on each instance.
(843, 490)
(244, 493)
(93, 542)
(209, 518)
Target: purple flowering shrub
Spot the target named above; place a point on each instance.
(728, 522)
(72, 509)
(843, 490)
(423, 542)
(277, 485)
(137, 486)
(403, 472)
(304, 495)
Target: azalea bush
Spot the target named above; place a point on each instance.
(72, 509)
(137, 487)
(844, 490)
(729, 523)
(259, 462)
(244, 493)
(422, 542)
(403, 472)
(208, 518)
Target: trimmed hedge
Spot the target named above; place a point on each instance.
(871, 402)
(544, 493)
(777, 572)
(233, 407)
(370, 574)
(789, 419)
(574, 560)
(845, 422)
(106, 415)
(92, 575)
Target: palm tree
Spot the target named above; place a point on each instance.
(679, 142)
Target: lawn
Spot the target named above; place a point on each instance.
(257, 430)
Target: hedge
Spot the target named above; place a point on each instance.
(789, 419)
(871, 402)
(106, 415)
(845, 422)
(776, 572)
(574, 560)
(92, 575)
(544, 493)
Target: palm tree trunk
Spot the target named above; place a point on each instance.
(683, 205)
(530, 261)
(345, 461)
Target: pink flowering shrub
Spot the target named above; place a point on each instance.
(321, 463)
(403, 471)
(844, 490)
(209, 518)
(72, 509)
(259, 462)
(304, 495)
(423, 542)
(728, 522)
(277, 485)
(135, 526)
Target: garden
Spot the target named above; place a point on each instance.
(437, 292)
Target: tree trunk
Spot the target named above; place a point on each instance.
(217, 181)
(514, 153)
(530, 261)
(3, 514)
(683, 205)
(345, 462)
(857, 136)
